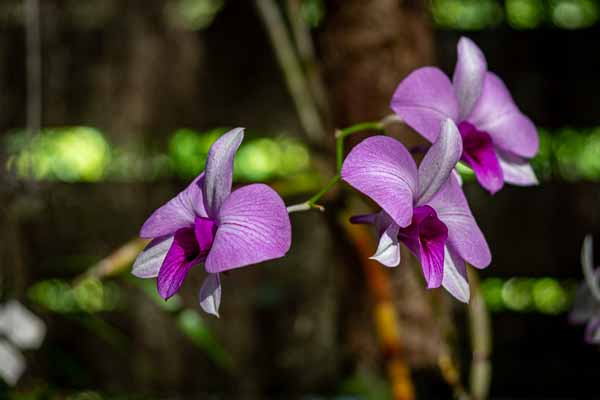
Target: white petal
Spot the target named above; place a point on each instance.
(516, 170)
(12, 363)
(210, 294)
(457, 176)
(439, 161)
(469, 75)
(587, 263)
(21, 326)
(148, 262)
(455, 276)
(219, 170)
(388, 250)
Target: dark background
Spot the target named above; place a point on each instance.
(137, 72)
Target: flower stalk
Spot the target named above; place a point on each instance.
(340, 136)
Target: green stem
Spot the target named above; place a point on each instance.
(313, 200)
(340, 135)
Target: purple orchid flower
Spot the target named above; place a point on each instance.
(423, 208)
(586, 308)
(497, 138)
(208, 223)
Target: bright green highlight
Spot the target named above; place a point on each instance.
(71, 154)
(193, 15)
(473, 15)
(466, 14)
(524, 14)
(521, 294)
(574, 14)
(83, 154)
(89, 296)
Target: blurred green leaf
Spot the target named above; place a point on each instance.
(193, 326)
(68, 154)
(313, 12)
(368, 386)
(574, 14)
(193, 15)
(524, 14)
(466, 14)
(89, 296)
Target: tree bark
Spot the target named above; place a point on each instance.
(367, 48)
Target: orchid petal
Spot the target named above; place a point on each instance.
(177, 213)
(424, 99)
(254, 226)
(388, 249)
(382, 222)
(469, 75)
(592, 331)
(219, 170)
(588, 268)
(464, 236)
(455, 279)
(384, 170)
(12, 363)
(516, 170)
(458, 177)
(439, 161)
(496, 113)
(21, 326)
(148, 262)
(182, 256)
(585, 305)
(210, 294)
(363, 219)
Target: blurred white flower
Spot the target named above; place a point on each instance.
(22, 330)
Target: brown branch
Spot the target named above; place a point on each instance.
(292, 71)
(308, 58)
(481, 341)
(116, 262)
(451, 373)
(34, 66)
(386, 319)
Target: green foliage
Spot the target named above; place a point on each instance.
(517, 294)
(194, 15)
(188, 150)
(313, 12)
(549, 296)
(466, 14)
(71, 154)
(524, 14)
(577, 154)
(192, 324)
(82, 154)
(89, 296)
(542, 163)
(574, 14)
(368, 386)
(520, 294)
(492, 293)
